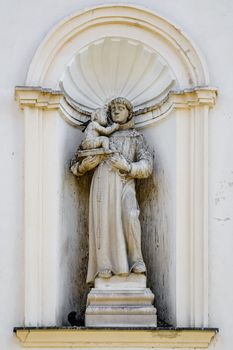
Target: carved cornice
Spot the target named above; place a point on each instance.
(37, 97)
(198, 96)
(47, 99)
(185, 98)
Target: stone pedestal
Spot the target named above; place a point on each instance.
(121, 302)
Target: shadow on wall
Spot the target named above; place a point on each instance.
(152, 198)
(74, 250)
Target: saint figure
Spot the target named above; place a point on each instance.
(114, 226)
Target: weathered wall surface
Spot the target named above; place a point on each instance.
(73, 232)
(156, 197)
(23, 25)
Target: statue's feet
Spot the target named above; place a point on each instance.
(139, 267)
(105, 273)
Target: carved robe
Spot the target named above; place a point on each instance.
(114, 227)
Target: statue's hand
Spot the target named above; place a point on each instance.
(90, 163)
(74, 168)
(115, 126)
(119, 162)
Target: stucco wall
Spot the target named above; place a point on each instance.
(23, 25)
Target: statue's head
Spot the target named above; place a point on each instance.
(100, 116)
(120, 110)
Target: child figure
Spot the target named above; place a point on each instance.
(95, 129)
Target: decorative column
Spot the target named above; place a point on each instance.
(190, 108)
(41, 204)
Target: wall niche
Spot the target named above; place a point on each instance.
(172, 97)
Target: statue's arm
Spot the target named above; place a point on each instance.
(107, 130)
(143, 166)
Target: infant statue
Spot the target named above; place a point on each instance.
(97, 131)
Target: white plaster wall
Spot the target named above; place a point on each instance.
(23, 25)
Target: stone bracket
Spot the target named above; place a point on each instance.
(69, 337)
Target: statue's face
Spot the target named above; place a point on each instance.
(119, 113)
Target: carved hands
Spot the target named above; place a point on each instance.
(86, 164)
(90, 163)
(119, 162)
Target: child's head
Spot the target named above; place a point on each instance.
(100, 116)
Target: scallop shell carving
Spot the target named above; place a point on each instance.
(113, 67)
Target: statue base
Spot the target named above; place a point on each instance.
(121, 302)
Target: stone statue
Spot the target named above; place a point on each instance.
(114, 226)
(97, 131)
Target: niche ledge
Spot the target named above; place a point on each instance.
(82, 337)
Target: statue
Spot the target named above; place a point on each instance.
(114, 226)
(97, 130)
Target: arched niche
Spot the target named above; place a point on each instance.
(174, 202)
(134, 22)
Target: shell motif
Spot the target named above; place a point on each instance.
(116, 67)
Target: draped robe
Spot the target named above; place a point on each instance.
(114, 226)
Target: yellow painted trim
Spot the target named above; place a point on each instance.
(96, 338)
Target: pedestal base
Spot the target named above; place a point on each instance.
(121, 302)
